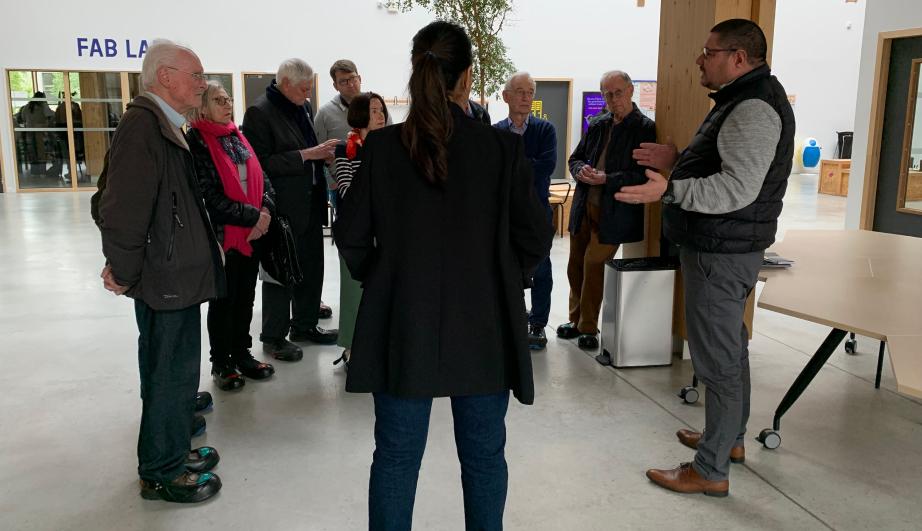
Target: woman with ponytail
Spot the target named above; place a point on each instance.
(443, 228)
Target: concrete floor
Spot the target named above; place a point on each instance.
(296, 449)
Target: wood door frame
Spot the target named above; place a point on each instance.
(876, 124)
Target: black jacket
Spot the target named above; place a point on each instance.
(221, 209)
(442, 266)
(620, 222)
(753, 227)
(155, 229)
(277, 141)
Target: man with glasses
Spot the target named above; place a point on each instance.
(331, 118)
(161, 251)
(540, 140)
(601, 165)
(721, 206)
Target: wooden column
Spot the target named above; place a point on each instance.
(681, 101)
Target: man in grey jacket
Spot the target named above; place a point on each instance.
(721, 206)
(160, 251)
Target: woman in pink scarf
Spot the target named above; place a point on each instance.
(239, 201)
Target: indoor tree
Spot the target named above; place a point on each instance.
(483, 20)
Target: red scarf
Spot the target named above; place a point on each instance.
(353, 143)
(235, 236)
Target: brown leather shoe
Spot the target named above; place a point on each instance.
(690, 438)
(686, 479)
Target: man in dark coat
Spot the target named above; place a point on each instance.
(602, 164)
(279, 127)
(540, 139)
(721, 206)
(160, 251)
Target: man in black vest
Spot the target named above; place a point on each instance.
(721, 206)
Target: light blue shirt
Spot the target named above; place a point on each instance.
(517, 130)
(174, 117)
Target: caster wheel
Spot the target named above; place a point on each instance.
(851, 346)
(689, 395)
(770, 439)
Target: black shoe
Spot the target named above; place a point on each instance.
(315, 335)
(255, 370)
(587, 341)
(203, 401)
(537, 340)
(227, 379)
(190, 487)
(283, 350)
(198, 425)
(325, 311)
(567, 331)
(344, 359)
(202, 459)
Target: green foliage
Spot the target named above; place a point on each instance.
(483, 20)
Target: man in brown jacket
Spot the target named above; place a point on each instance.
(160, 251)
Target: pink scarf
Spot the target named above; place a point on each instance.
(235, 237)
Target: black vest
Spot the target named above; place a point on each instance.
(753, 227)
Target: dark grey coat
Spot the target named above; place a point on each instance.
(155, 229)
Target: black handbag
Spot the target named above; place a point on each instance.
(277, 254)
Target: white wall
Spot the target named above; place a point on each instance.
(879, 17)
(578, 40)
(815, 46)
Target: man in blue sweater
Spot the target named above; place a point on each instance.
(540, 139)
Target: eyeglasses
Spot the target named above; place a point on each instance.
(348, 80)
(710, 52)
(222, 101)
(198, 76)
(519, 93)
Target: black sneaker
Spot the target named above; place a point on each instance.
(198, 425)
(567, 331)
(255, 370)
(325, 311)
(202, 459)
(227, 379)
(203, 401)
(315, 335)
(537, 340)
(283, 350)
(588, 341)
(189, 487)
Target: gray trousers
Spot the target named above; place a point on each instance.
(716, 288)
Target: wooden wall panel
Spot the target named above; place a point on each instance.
(681, 101)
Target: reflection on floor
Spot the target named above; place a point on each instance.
(296, 449)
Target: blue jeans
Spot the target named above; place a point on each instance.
(401, 428)
(169, 359)
(541, 290)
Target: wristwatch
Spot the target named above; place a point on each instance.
(669, 194)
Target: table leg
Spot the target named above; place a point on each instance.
(808, 373)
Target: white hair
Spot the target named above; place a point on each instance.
(295, 71)
(513, 77)
(615, 73)
(161, 52)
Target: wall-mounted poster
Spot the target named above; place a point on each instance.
(644, 97)
(553, 102)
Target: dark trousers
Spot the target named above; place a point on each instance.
(169, 355)
(716, 288)
(296, 308)
(401, 428)
(229, 317)
(541, 290)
